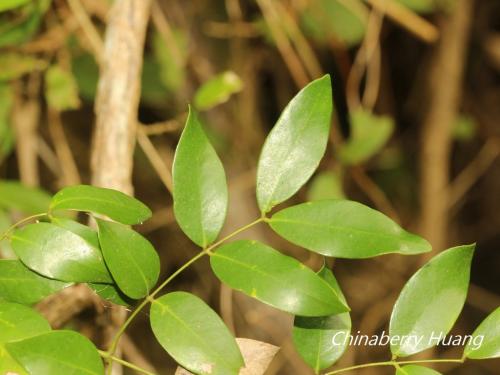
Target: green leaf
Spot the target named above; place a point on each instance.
(326, 185)
(61, 90)
(416, 370)
(29, 200)
(111, 293)
(296, 144)
(369, 134)
(325, 20)
(217, 90)
(11, 4)
(59, 254)
(194, 335)
(57, 353)
(21, 285)
(131, 258)
(112, 203)
(15, 65)
(344, 229)
(485, 341)
(320, 341)
(17, 322)
(431, 301)
(200, 190)
(276, 279)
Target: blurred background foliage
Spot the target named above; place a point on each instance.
(239, 62)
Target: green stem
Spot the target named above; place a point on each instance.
(396, 364)
(21, 222)
(366, 365)
(236, 232)
(150, 297)
(431, 361)
(124, 363)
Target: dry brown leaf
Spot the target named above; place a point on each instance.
(257, 354)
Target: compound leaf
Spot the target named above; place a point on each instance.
(194, 335)
(57, 353)
(21, 285)
(59, 254)
(431, 301)
(321, 341)
(344, 229)
(112, 203)
(416, 370)
(17, 322)
(131, 258)
(489, 334)
(276, 279)
(296, 144)
(200, 190)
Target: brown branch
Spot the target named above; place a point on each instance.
(69, 171)
(444, 98)
(25, 119)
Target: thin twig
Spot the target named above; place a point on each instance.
(88, 28)
(161, 169)
(473, 171)
(417, 25)
(285, 48)
(69, 170)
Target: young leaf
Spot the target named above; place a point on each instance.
(15, 65)
(21, 285)
(61, 90)
(431, 301)
(344, 229)
(217, 90)
(416, 370)
(57, 353)
(200, 190)
(326, 185)
(111, 293)
(17, 322)
(112, 203)
(11, 4)
(296, 144)
(489, 330)
(327, 20)
(321, 341)
(59, 254)
(369, 134)
(131, 258)
(29, 200)
(194, 335)
(276, 279)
